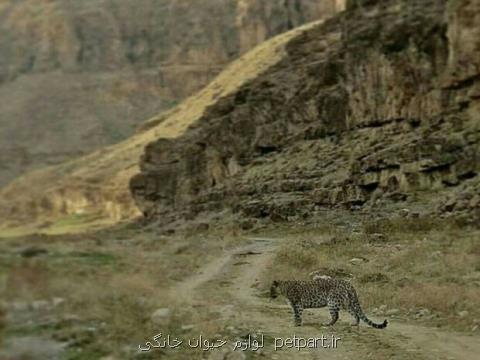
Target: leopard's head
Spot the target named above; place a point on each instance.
(274, 289)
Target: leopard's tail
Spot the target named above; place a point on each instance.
(355, 304)
(371, 323)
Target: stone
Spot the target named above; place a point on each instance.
(404, 212)
(377, 237)
(422, 313)
(392, 312)
(71, 318)
(474, 202)
(160, 316)
(247, 224)
(19, 306)
(450, 204)
(463, 313)
(201, 227)
(57, 301)
(40, 305)
(187, 327)
(357, 261)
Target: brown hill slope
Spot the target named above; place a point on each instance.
(79, 75)
(378, 106)
(97, 184)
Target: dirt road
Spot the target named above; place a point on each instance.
(227, 286)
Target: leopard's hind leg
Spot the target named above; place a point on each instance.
(356, 321)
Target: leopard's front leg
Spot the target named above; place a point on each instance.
(334, 308)
(297, 313)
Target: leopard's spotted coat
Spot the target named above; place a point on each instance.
(337, 294)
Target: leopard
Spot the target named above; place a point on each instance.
(337, 294)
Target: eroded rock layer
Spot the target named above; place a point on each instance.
(380, 104)
(78, 75)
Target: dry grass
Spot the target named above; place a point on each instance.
(400, 225)
(27, 280)
(416, 264)
(111, 282)
(440, 298)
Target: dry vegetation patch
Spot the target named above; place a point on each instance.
(424, 269)
(95, 293)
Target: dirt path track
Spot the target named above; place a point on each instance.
(228, 283)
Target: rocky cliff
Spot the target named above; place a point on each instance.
(97, 184)
(376, 109)
(379, 105)
(79, 75)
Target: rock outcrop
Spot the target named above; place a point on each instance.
(380, 104)
(96, 185)
(78, 75)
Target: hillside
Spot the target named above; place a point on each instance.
(377, 109)
(76, 76)
(97, 184)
